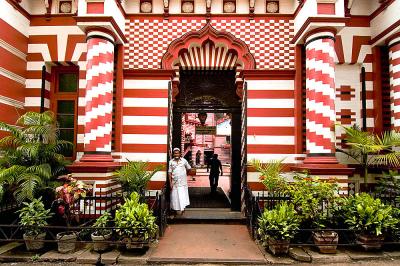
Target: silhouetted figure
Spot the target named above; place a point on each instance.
(215, 168)
(198, 156)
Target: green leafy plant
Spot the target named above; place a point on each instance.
(369, 149)
(33, 216)
(101, 223)
(134, 176)
(368, 215)
(271, 175)
(280, 223)
(134, 220)
(308, 195)
(389, 184)
(31, 154)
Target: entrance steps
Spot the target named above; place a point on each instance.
(209, 215)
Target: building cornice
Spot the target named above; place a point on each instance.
(6, 46)
(11, 102)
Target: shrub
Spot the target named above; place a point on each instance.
(101, 223)
(33, 216)
(281, 223)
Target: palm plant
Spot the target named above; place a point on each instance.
(134, 176)
(31, 154)
(369, 149)
(271, 174)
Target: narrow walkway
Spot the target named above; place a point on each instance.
(207, 243)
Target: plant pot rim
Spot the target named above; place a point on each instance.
(101, 235)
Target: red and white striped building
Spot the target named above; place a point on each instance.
(110, 70)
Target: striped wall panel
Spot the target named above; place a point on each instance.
(145, 120)
(270, 120)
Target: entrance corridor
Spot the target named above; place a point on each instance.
(207, 243)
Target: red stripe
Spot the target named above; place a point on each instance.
(138, 93)
(319, 55)
(12, 63)
(145, 130)
(101, 78)
(12, 89)
(270, 149)
(270, 131)
(96, 122)
(95, 41)
(270, 112)
(146, 111)
(319, 97)
(317, 75)
(13, 37)
(270, 94)
(319, 119)
(319, 140)
(106, 57)
(145, 148)
(98, 101)
(98, 143)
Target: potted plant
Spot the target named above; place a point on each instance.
(134, 177)
(277, 227)
(101, 232)
(135, 223)
(33, 217)
(312, 197)
(67, 195)
(370, 218)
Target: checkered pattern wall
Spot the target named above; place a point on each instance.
(268, 39)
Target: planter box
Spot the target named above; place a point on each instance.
(34, 243)
(98, 245)
(66, 242)
(134, 243)
(278, 246)
(326, 241)
(370, 242)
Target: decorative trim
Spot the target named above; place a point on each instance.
(6, 46)
(268, 74)
(316, 20)
(381, 8)
(385, 32)
(11, 102)
(11, 75)
(207, 32)
(319, 38)
(149, 73)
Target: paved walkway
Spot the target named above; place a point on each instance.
(207, 243)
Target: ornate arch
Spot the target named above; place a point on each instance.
(233, 52)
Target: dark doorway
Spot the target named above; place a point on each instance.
(213, 92)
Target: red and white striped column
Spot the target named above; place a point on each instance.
(394, 70)
(320, 94)
(98, 97)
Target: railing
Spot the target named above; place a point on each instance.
(252, 211)
(161, 211)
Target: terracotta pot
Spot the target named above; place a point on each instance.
(326, 241)
(370, 241)
(34, 243)
(98, 245)
(132, 243)
(278, 246)
(66, 242)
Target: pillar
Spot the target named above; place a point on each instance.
(320, 98)
(98, 97)
(394, 72)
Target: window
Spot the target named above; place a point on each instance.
(65, 103)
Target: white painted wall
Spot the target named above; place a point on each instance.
(363, 7)
(385, 19)
(14, 18)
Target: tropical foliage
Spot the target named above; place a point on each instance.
(368, 215)
(271, 175)
(101, 223)
(280, 223)
(369, 149)
(31, 154)
(134, 176)
(134, 220)
(33, 216)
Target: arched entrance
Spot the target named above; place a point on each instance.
(208, 68)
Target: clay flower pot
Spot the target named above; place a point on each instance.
(278, 246)
(66, 242)
(98, 245)
(34, 243)
(370, 241)
(326, 241)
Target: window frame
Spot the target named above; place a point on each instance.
(57, 96)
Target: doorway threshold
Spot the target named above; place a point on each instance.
(210, 215)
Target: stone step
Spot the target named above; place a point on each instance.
(209, 215)
(207, 261)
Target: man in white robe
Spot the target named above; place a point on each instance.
(177, 173)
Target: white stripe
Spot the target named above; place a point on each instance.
(34, 66)
(395, 54)
(80, 48)
(134, 156)
(270, 84)
(316, 149)
(5, 45)
(145, 120)
(270, 103)
(145, 102)
(11, 75)
(33, 83)
(144, 139)
(11, 102)
(320, 130)
(40, 48)
(102, 68)
(320, 108)
(278, 140)
(101, 48)
(270, 121)
(100, 131)
(319, 65)
(100, 110)
(100, 89)
(318, 86)
(145, 84)
(35, 102)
